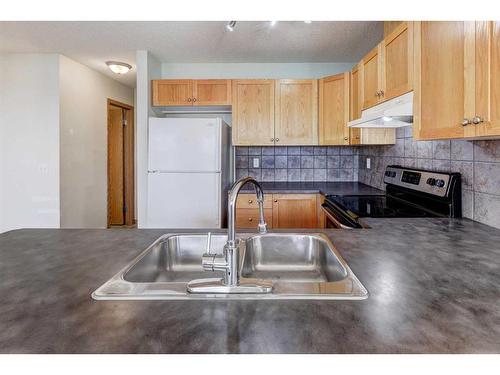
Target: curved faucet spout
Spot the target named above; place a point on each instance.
(231, 208)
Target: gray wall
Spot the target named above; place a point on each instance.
(477, 161)
(311, 163)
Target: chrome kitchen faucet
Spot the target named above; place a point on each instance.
(229, 260)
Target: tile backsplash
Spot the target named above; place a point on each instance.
(311, 163)
(477, 161)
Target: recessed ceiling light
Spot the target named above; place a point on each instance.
(118, 67)
(307, 21)
(230, 25)
(273, 23)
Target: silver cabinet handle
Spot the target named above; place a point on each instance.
(477, 120)
(466, 122)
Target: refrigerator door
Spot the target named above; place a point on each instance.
(184, 144)
(183, 200)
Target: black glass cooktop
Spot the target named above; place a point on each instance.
(378, 206)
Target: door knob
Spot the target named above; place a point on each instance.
(477, 120)
(466, 122)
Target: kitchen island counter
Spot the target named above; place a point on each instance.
(433, 283)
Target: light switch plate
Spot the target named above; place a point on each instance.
(256, 162)
(368, 163)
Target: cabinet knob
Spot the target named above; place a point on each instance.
(477, 120)
(346, 138)
(377, 94)
(272, 139)
(250, 201)
(189, 99)
(250, 219)
(275, 201)
(194, 99)
(381, 92)
(466, 122)
(277, 139)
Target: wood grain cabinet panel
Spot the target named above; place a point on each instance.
(487, 78)
(334, 110)
(172, 92)
(249, 218)
(296, 112)
(370, 76)
(253, 112)
(444, 79)
(295, 211)
(212, 92)
(397, 69)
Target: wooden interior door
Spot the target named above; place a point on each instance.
(116, 170)
(296, 112)
(370, 78)
(444, 82)
(253, 112)
(295, 211)
(212, 92)
(398, 61)
(334, 110)
(120, 164)
(172, 92)
(487, 77)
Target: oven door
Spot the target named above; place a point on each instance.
(335, 218)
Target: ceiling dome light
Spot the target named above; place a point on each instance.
(118, 67)
(230, 25)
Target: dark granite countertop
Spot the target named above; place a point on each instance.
(325, 188)
(434, 288)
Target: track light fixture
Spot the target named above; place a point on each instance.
(230, 25)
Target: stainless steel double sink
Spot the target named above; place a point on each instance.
(300, 266)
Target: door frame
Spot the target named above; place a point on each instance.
(129, 163)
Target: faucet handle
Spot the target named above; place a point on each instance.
(209, 240)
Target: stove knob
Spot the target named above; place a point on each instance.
(440, 183)
(393, 174)
(431, 181)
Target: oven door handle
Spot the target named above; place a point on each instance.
(332, 218)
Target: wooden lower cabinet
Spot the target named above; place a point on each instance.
(280, 211)
(295, 211)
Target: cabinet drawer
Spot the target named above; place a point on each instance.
(249, 217)
(250, 201)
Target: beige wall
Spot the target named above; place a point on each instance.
(83, 147)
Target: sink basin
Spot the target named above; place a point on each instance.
(300, 266)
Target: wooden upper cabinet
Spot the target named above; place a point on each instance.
(212, 92)
(296, 112)
(355, 105)
(295, 211)
(487, 77)
(370, 77)
(172, 92)
(444, 79)
(334, 110)
(182, 92)
(397, 62)
(253, 112)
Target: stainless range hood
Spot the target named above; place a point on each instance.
(394, 113)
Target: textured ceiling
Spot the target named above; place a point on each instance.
(92, 43)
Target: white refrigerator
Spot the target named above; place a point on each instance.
(189, 172)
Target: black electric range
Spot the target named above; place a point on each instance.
(409, 193)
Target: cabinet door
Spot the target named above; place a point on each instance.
(370, 78)
(444, 79)
(172, 92)
(334, 110)
(355, 105)
(253, 112)
(295, 211)
(296, 112)
(487, 67)
(397, 77)
(212, 92)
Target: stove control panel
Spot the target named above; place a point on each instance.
(435, 183)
